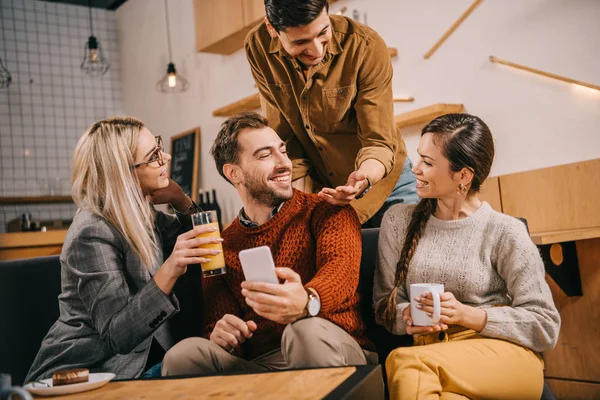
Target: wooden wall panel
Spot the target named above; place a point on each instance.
(570, 390)
(490, 192)
(577, 354)
(216, 20)
(556, 198)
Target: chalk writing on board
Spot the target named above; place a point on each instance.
(185, 159)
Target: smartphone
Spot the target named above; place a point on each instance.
(258, 266)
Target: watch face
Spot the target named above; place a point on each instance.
(314, 306)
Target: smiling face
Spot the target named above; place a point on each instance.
(151, 174)
(307, 43)
(434, 177)
(264, 170)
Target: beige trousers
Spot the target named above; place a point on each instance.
(462, 365)
(307, 343)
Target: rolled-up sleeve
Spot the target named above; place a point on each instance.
(374, 108)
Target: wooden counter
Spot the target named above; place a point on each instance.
(31, 244)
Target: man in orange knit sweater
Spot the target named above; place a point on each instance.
(312, 319)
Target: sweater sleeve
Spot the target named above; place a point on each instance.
(391, 240)
(339, 249)
(533, 320)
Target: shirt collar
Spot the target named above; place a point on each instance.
(251, 224)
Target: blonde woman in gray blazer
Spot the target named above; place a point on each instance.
(117, 298)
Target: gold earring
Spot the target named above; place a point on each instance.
(461, 187)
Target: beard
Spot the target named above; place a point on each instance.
(263, 194)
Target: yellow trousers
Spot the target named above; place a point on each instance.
(461, 364)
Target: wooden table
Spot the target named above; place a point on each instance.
(321, 383)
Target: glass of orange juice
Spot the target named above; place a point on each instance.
(216, 265)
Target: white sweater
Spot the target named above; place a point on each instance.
(486, 259)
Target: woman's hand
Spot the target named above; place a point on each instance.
(419, 330)
(185, 252)
(453, 312)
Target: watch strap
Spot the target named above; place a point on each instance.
(360, 196)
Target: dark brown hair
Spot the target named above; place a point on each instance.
(466, 142)
(283, 14)
(225, 149)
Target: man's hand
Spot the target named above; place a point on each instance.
(342, 195)
(282, 303)
(230, 332)
(171, 194)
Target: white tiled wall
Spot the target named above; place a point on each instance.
(51, 101)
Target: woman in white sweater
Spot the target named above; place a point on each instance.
(497, 311)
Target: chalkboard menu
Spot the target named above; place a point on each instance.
(185, 153)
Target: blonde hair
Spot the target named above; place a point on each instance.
(105, 183)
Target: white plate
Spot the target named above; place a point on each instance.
(96, 380)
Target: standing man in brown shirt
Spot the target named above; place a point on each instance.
(326, 88)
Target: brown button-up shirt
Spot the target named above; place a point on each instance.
(337, 115)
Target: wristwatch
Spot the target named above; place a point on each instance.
(313, 306)
(360, 196)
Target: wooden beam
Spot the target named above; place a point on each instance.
(249, 103)
(452, 28)
(543, 73)
(426, 114)
(407, 99)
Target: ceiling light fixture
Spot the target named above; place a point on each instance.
(171, 82)
(94, 63)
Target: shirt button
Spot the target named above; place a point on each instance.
(304, 97)
(320, 148)
(340, 91)
(307, 127)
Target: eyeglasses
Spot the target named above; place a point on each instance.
(156, 154)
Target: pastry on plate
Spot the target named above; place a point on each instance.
(70, 376)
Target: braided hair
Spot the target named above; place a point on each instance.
(466, 141)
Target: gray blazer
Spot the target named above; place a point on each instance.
(110, 307)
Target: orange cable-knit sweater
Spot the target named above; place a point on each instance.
(321, 242)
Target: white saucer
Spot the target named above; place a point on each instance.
(96, 380)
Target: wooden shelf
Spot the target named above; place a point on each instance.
(252, 102)
(426, 114)
(249, 103)
(35, 199)
(17, 245)
(565, 235)
(32, 239)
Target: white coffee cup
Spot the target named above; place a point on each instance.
(420, 317)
